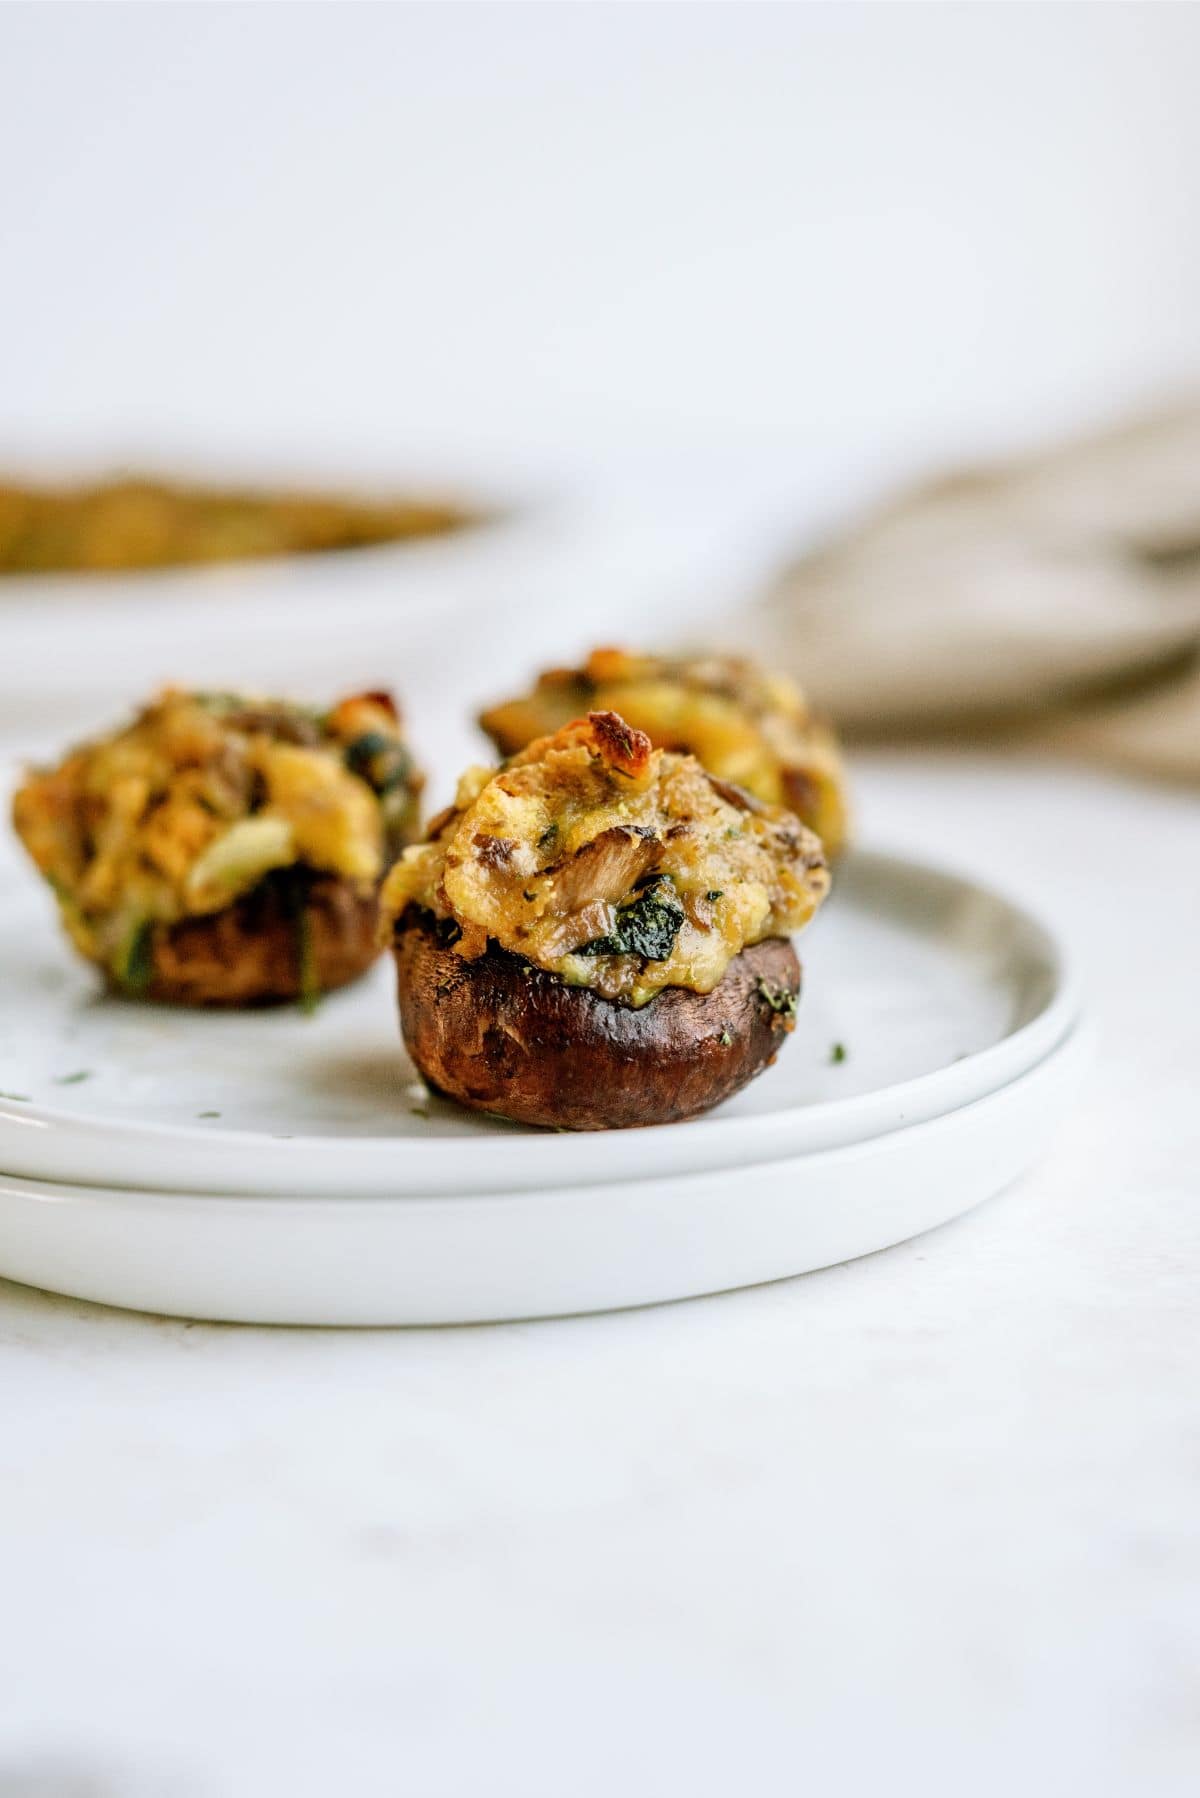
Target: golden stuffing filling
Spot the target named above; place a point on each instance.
(137, 523)
(616, 866)
(202, 797)
(744, 724)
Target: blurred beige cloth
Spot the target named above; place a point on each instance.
(1058, 594)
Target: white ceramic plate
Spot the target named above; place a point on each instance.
(938, 991)
(530, 1253)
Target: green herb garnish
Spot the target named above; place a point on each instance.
(294, 883)
(208, 1114)
(74, 1079)
(135, 965)
(310, 986)
(837, 1053)
(382, 761)
(214, 701)
(21, 1098)
(646, 926)
(781, 999)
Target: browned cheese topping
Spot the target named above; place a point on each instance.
(614, 865)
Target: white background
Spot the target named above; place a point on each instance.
(591, 238)
(924, 1524)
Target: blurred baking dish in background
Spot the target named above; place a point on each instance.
(131, 522)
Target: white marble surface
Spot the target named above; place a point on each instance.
(926, 1523)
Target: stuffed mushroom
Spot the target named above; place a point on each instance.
(224, 849)
(595, 934)
(744, 724)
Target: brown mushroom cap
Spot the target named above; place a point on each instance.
(251, 953)
(500, 1035)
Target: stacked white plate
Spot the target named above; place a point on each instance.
(266, 1167)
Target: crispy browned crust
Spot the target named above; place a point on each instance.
(623, 747)
(256, 952)
(500, 1035)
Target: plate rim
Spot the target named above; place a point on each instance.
(1077, 1040)
(334, 1165)
(600, 1248)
